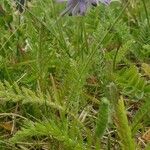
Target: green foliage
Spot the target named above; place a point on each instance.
(48, 129)
(132, 82)
(148, 147)
(103, 116)
(24, 95)
(123, 128)
(55, 70)
(140, 115)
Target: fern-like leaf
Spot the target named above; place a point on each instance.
(139, 116)
(49, 129)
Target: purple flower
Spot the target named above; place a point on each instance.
(79, 7)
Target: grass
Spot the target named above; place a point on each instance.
(75, 82)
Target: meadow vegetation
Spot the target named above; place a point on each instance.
(74, 82)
